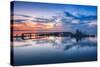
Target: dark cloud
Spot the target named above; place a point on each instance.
(87, 17)
(81, 17)
(18, 20)
(67, 14)
(44, 20)
(27, 16)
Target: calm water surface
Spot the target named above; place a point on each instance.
(54, 50)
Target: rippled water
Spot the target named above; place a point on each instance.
(54, 50)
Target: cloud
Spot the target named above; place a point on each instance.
(19, 20)
(81, 17)
(67, 22)
(75, 21)
(87, 17)
(92, 24)
(22, 15)
(67, 14)
(44, 20)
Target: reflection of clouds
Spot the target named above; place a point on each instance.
(92, 39)
(58, 43)
(21, 43)
(62, 42)
(67, 43)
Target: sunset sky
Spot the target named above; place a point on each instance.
(40, 17)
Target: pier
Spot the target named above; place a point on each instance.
(78, 35)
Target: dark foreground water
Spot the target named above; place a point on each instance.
(54, 50)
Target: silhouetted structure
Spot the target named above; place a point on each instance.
(78, 35)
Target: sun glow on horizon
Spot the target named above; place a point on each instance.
(49, 25)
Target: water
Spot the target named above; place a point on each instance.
(54, 50)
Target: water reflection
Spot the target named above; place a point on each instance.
(65, 42)
(54, 49)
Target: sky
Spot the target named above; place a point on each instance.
(39, 17)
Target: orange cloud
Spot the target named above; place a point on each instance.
(32, 26)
